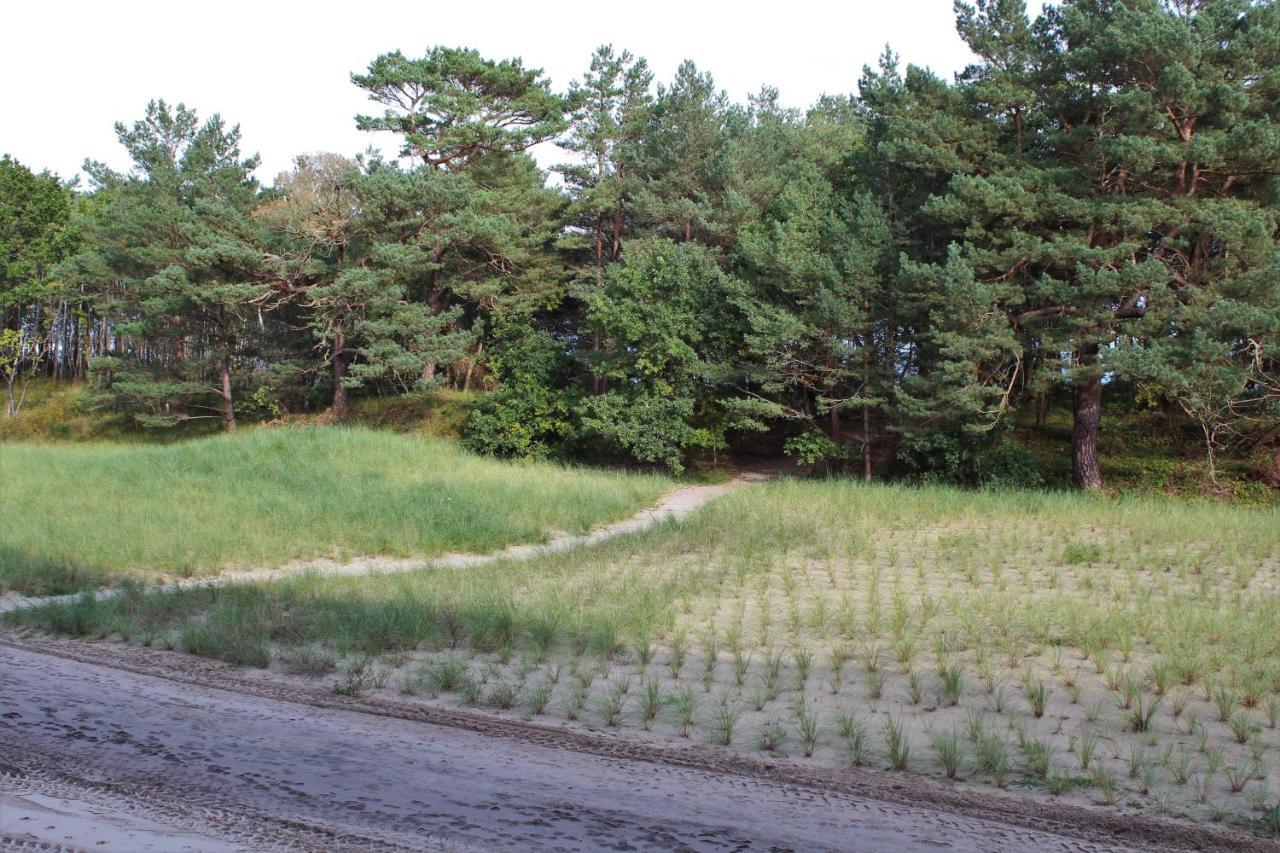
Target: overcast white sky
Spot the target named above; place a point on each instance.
(281, 69)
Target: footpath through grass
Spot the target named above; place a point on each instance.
(80, 516)
(1123, 652)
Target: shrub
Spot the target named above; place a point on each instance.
(814, 447)
(532, 412)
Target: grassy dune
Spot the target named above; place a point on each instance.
(1122, 652)
(80, 516)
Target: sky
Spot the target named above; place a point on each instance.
(281, 69)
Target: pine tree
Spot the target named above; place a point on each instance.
(468, 233)
(818, 269)
(167, 255)
(679, 177)
(35, 235)
(1133, 183)
(453, 105)
(609, 109)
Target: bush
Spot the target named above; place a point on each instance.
(525, 423)
(647, 427)
(813, 447)
(308, 660)
(531, 415)
(985, 460)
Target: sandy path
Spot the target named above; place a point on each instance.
(674, 506)
(101, 758)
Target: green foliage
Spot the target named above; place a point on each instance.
(988, 459)
(896, 278)
(35, 234)
(453, 105)
(610, 108)
(677, 193)
(814, 447)
(528, 416)
(171, 236)
(1074, 257)
(819, 267)
(662, 311)
(975, 362)
(460, 238)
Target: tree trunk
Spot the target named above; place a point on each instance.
(1211, 456)
(228, 406)
(599, 243)
(615, 249)
(436, 303)
(1088, 422)
(341, 405)
(866, 443)
(597, 386)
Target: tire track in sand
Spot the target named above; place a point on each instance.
(402, 774)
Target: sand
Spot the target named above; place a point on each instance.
(141, 746)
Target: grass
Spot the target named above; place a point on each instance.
(54, 412)
(1016, 639)
(60, 412)
(440, 413)
(82, 516)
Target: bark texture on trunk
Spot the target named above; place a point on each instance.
(228, 404)
(866, 443)
(436, 302)
(11, 401)
(341, 404)
(1088, 422)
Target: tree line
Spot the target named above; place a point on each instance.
(881, 281)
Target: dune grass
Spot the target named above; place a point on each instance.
(79, 516)
(1122, 652)
(56, 411)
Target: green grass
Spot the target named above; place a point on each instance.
(54, 411)
(427, 414)
(1004, 560)
(80, 516)
(888, 619)
(60, 412)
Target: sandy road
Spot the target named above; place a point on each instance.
(93, 757)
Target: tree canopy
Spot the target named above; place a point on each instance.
(885, 282)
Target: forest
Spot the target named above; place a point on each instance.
(885, 283)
